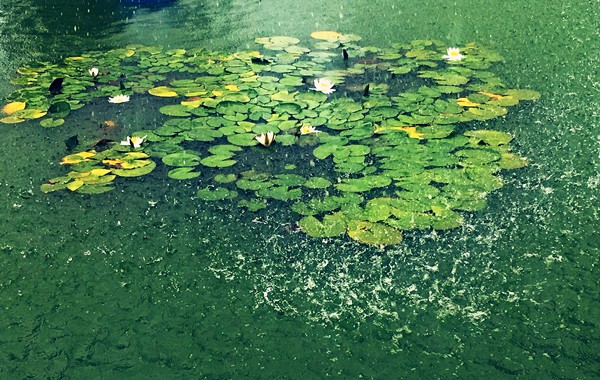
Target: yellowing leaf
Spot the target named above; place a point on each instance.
(78, 174)
(134, 164)
(410, 131)
(217, 93)
(11, 120)
(162, 91)
(77, 157)
(96, 180)
(232, 87)
(99, 172)
(491, 95)
(75, 185)
(327, 35)
(116, 163)
(191, 103)
(30, 114)
(134, 155)
(464, 102)
(13, 107)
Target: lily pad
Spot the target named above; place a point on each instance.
(163, 91)
(177, 110)
(317, 183)
(183, 173)
(51, 123)
(332, 225)
(136, 172)
(216, 161)
(373, 233)
(253, 204)
(182, 159)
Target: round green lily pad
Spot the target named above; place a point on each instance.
(51, 123)
(183, 173)
(216, 161)
(181, 159)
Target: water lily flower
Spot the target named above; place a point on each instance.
(323, 85)
(453, 54)
(119, 99)
(307, 129)
(265, 139)
(94, 72)
(134, 142)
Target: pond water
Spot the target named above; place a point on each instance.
(148, 281)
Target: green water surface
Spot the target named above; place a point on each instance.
(148, 282)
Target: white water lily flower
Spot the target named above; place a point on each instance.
(119, 99)
(134, 141)
(323, 85)
(453, 54)
(307, 129)
(265, 139)
(94, 72)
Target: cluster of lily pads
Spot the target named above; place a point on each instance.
(365, 141)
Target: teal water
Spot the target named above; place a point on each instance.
(148, 282)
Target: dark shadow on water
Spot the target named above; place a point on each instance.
(150, 4)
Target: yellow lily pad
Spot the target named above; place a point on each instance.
(30, 114)
(327, 35)
(11, 120)
(191, 103)
(410, 131)
(464, 102)
(77, 157)
(99, 172)
(13, 107)
(163, 92)
(75, 185)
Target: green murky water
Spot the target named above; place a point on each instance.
(146, 281)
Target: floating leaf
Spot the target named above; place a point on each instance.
(216, 161)
(282, 193)
(225, 178)
(254, 204)
(183, 173)
(136, 172)
(11, 108)
(317, 183)
(326, 35)
(181, 159)
(494, 138)
(163, 91)
(373, 233)
(175, 110)
(332, 225)
(51, 123)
